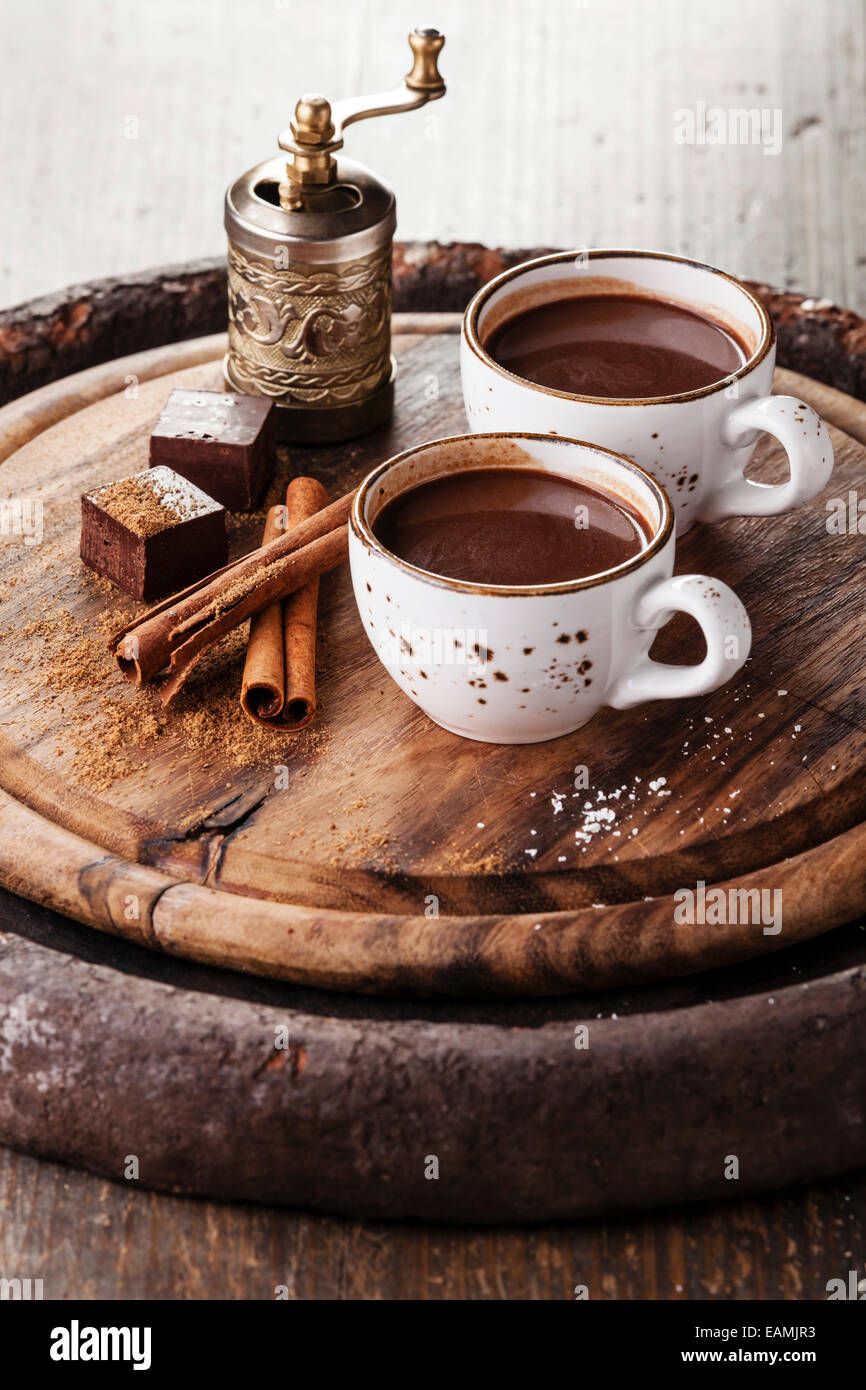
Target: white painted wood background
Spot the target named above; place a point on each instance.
(558, 127)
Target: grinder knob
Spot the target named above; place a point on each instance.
(426, 45)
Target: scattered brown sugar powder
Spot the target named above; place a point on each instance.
(64, 687)
(109, 730)
(154, 501)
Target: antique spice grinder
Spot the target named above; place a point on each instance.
(309, 267)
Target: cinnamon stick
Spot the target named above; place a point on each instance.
(304, 497)
(279, 681)
(164, 645)
(263, 687)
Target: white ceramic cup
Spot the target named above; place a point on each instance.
(697, 444)
(520, 664)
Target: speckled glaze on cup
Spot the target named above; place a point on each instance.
(697, 444)
(521, 664)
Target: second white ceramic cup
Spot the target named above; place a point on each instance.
(697, 445)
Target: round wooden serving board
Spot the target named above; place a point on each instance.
(320, 858)
(108, 1048)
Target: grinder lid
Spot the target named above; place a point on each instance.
(356, 208)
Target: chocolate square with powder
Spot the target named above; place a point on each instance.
(223, 442)
(152, 533)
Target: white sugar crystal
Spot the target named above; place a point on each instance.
(178, 493)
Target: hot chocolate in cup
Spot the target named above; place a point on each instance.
(510, 662)
(665, 360)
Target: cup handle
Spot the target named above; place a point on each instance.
(726, 628)
(805, 439)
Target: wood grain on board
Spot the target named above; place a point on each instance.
(316, 856)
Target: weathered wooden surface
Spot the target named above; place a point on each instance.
(377, 808)
(557, 128)
(234, 1087)
(86, 1238)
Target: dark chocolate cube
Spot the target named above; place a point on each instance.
(152, 533)
(223, 442)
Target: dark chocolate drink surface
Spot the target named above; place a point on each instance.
(511, 526)
(623, 347)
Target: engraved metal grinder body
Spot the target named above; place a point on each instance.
(309, 267)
